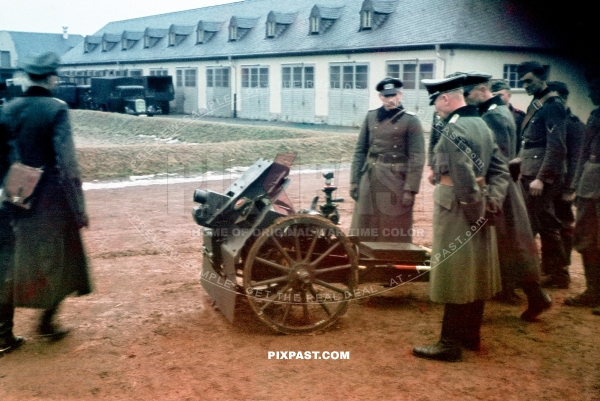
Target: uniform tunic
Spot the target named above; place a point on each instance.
(388, 159)
(464, 252)
(50, 262)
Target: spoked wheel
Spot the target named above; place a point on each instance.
(300, 274)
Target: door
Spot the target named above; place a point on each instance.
(348, 94)
(255, 94)
(186, 90)
(298, 93)
(218, 92)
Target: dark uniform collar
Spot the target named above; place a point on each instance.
(383, 114)
(542, 93)
(465, 111)
(37, 91)
(485, 106)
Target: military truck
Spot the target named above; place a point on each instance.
(122, 95)
(76, 96)
(160, 87)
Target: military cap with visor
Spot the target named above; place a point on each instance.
(499, 85)
(436, 87)
(42, 64)
(472, 79)
(389, 86)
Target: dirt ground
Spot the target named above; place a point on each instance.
(150, 332)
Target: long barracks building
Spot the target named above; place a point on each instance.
(301, 61)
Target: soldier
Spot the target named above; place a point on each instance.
(49, 259)
(587, 226)
(464, 259)
(517, 249)
(386, 169)
(543, 155)
(563, 203)
(502, 88)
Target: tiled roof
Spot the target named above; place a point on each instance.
(409, 24)
(29, 43)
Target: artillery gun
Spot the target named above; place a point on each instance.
(297, 269)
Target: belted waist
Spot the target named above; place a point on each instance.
(533, 145)
(391, 157)
(447, 180)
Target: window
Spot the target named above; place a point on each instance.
(159, 71)
(137, 73)
(406, 71)
(314, 25)
(270, 29)
(233, 33)
(255, 77)
(349, 76)
(200, 36)
(511, 76)
(190, 77)
(172, 38)
(4, 59)
(210, 78)
(298, 77)
(366, 21)
(179, 78)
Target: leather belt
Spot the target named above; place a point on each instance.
(447, 180)
(533, 145)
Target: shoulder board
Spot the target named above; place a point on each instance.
(454, 119)
(59, 100)
(410, 113)
(492, 107)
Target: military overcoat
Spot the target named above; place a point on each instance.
(464, 252)
(49, 260)
(388, 159)
(518, 251)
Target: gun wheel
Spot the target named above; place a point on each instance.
(300, 274)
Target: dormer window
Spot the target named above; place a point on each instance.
(172, 37)
(366, 20)
(314, 25)
(124, 43)
(270, 29)
(146, 41)
(239, 27)
(200, 36)
(206, 30)
(233, 33)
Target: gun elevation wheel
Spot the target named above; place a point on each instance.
(300, 274)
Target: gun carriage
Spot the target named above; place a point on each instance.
(297, 269)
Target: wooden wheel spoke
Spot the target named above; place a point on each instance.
(288, 307)
(312, 247)
(298, 250)
(332, 269)
(269, 281)
(330, 286)
(283, 251)
(270, 300)
(314, 294)
(305, 305)
(324, 254)
(283, 268)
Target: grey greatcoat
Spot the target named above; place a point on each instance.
(50, 262)
(517, 249)
(388, 159)
(464, 253)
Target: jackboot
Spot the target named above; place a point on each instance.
(444, 350)
(48, 329)
(591, 295)
(537, 301)
(8, 341)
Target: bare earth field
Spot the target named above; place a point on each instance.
(150, 332)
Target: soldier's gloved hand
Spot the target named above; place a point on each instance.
(474, 211)
(354, 191)
(408, 198)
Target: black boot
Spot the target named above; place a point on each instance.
(8, 341)
(444, 350)
(537, 301)
(591, 295)
(48, 329)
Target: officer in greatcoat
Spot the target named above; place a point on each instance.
(386, 169)
(471, 179)
(587, 225)
(517, 249)
(543, 155)
(49, 258)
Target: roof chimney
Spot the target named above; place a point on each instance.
(65, 34)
